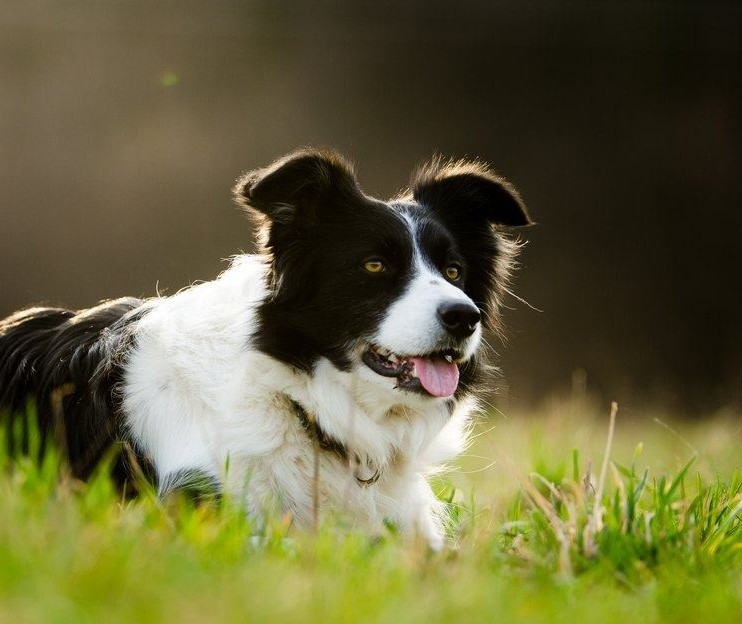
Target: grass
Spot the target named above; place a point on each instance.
(534, 540)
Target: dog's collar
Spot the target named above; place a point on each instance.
(327, 443)
(311, 426)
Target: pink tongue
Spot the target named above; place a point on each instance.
(438, 377)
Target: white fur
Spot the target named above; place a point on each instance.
(197, 395)
(411, 326)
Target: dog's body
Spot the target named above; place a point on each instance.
(334, 370)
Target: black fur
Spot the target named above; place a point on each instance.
(317, 227)
(68, 364)
(197, 486)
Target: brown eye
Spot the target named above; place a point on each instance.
(453, 272)
(374, 266)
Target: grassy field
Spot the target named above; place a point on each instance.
(543, 530)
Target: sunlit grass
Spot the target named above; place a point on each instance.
(666, 547)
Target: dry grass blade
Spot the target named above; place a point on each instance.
(595, 522)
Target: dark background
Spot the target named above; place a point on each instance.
(123, 125)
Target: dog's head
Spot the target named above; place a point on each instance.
(397, 292)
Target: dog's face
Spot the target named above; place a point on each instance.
(396, 292)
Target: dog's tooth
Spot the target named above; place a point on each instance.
(449, 359)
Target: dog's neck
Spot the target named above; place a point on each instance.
(374, 426)
(325, 443)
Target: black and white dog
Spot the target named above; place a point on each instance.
(346, 348)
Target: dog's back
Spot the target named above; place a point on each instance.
(63, 365)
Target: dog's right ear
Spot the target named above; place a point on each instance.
(295, 188)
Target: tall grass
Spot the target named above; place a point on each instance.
(538, 535)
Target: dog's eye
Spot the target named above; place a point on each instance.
(374, 266)
(453, 272)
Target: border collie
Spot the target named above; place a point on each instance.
(334, 369)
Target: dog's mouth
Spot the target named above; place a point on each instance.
(436, 374)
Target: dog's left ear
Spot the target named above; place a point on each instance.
(470, 191)
(294, 188)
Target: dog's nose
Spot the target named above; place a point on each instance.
(459, 318)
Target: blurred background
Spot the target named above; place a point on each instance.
(123, 124)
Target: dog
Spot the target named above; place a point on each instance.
(335, 369)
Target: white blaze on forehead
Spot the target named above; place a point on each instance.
(411, 325)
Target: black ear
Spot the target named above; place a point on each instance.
(469, 190)
(294, 187)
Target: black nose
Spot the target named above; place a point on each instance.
(459, 318)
